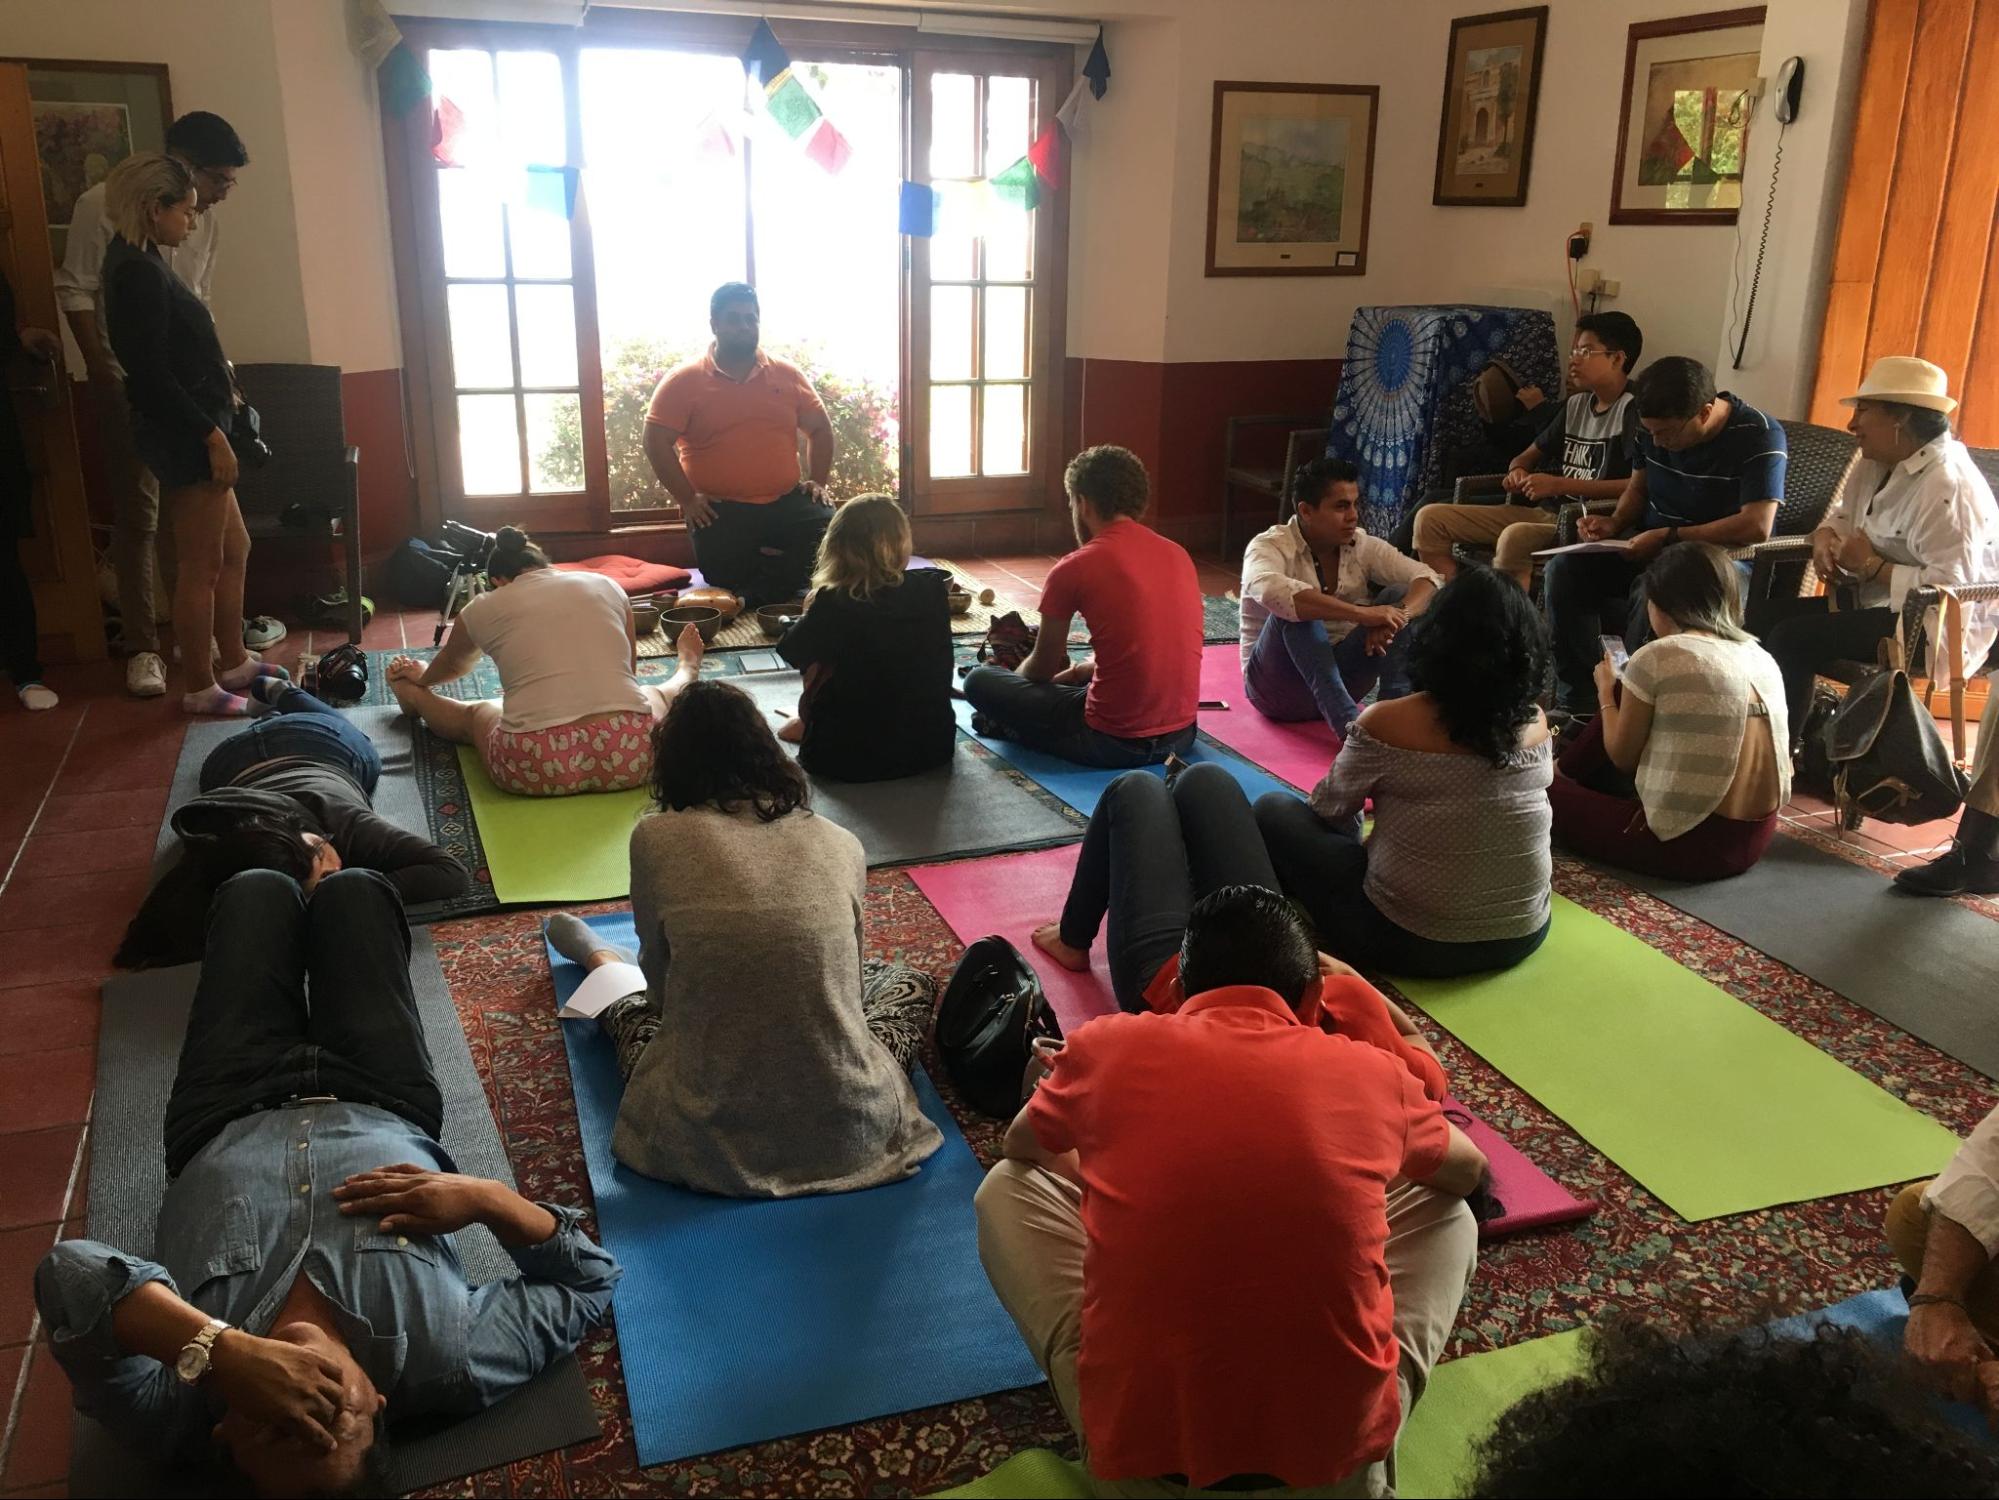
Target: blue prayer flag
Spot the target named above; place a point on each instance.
(919, 210)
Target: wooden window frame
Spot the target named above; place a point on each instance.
(417, 249)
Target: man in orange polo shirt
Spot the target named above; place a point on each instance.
(1235, 1242)
(722, 435)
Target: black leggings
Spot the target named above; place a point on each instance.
(19, 656)
(1806, 634)
(1150, 853)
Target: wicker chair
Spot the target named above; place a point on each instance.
(311, 488)
(1915, 623)
(1780, 568)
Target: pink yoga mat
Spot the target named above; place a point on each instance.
(1012, 894)
(1297, 753)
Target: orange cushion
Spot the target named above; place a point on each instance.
(633, 575)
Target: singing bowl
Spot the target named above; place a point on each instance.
(777, 618)
(704, 618)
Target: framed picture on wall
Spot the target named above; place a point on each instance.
(1289, 179)
(1684, 131)
(1492, 86)
(89, 116)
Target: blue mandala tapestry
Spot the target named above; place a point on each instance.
(1405, 392)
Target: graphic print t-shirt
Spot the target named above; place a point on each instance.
(1587, 443)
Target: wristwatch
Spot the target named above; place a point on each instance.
(195, 1355)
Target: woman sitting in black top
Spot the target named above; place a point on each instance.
(290, 793)
(875, 647)
(183, 399)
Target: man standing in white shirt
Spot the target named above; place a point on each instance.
(215, 153)
(1324, 605)
(1946, 1234)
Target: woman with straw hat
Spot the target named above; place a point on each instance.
(1912, 510)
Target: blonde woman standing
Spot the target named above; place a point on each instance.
(182, 398)
(875, 648)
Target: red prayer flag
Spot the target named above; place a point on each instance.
(1046, 154)
(447, 129)
(828, 147)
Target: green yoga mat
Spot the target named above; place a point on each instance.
(1031, 1474)
(1712, 1106)
(1433, 1455)
(550, 851)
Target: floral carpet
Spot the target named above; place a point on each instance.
(1633, 1250)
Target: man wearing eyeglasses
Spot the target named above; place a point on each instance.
(1584, 453)
(215, 154)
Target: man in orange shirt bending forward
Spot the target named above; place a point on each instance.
(722, 435)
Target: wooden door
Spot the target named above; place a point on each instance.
(57, 552)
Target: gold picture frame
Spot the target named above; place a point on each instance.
(1284, 195)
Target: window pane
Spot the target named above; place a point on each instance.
(1006, 333)
(953, 119)
(489, 445)
(1009, 122)
(555, 442)
(950, 430)
(1006, 430)
(465, 77)
(548, 334)
(540, 242)
(530, 100)
(951, 332)
(469, 212)
(951, 255)
(482, 352)
(1009, 246)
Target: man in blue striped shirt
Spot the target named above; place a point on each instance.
(1707, 467)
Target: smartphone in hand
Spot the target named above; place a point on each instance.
(1613, 650)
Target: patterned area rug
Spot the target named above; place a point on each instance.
(1800, 1256)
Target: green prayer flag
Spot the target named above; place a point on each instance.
(404, 82)
(1018, 185)
(791, 106)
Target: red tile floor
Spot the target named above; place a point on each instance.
(82, 791)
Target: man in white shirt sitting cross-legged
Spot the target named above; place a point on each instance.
(1946, 1235)
(1325, 606)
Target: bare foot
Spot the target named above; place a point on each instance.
(793, 731)
(690, 648)
(409, 694)
(1048, 938)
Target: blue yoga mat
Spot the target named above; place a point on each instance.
(1081, 786)
(1883, 1316)
(741, 1320)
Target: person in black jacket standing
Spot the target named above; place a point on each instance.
(183, 402)
(18, 655)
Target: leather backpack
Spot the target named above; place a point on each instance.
(1888, 761)
(987, 1022)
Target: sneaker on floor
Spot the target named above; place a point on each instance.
(261, 631)
(146, 675)
(35, 697)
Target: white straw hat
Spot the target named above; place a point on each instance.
(1904, 378)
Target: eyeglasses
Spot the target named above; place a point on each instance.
(1586, 351)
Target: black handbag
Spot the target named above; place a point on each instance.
(1888, 761)
(987, 1022)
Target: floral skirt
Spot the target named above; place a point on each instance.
(604, 753)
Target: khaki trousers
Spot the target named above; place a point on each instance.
(1984, 793)
(1515, 532)
(138, 541)
(1908, 1230)
(1031, 1241)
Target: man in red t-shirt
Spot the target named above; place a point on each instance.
(1236, 1243)
(1133, 702)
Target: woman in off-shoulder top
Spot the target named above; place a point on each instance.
(1455, 878)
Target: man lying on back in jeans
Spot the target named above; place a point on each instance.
(308, 1286)
(1235, 1243)
(1132, 703)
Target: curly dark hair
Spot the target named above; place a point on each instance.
(1660, 1412)
(713, 749)
(1481, 652)
(1110, 478)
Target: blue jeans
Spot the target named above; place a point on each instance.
(299, 727)
(1297, 672)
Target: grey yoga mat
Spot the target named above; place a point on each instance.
(398, 797)
(1930, 967)
(145, 1017)
(971, 806)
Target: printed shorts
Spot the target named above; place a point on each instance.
(605, 753)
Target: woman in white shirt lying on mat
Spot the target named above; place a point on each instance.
(573, 715)
(1683, 770)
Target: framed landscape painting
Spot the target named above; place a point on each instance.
(1684, 131)
(1492, 86)
(88, 117)
(1289, 179)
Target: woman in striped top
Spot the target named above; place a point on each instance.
(1682, 772)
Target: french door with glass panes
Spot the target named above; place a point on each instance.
(985, 291)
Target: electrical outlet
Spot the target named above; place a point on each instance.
(1588, 280)
(1586, 229)
(1607, 288)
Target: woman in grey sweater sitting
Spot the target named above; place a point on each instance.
(766, 1058)
(1454, 879)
